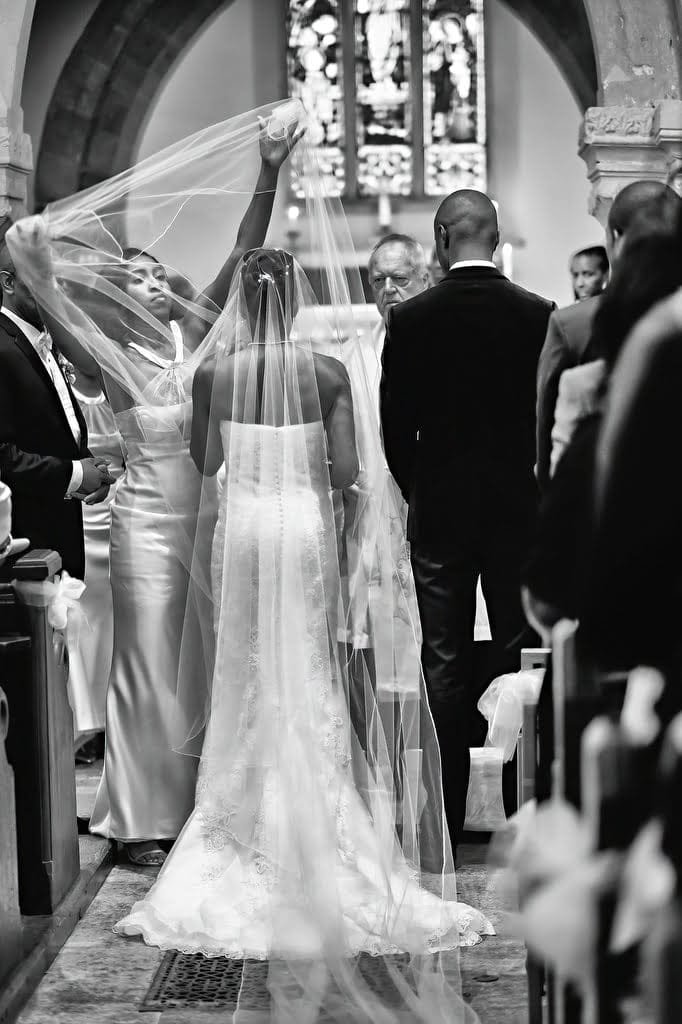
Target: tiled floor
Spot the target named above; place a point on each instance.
(99, 978)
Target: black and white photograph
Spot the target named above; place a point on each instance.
(340, 573)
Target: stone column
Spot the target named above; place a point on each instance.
(619, 146)
(15, 145)
(668, 134)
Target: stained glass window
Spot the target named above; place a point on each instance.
(383, 96)
(315, 69)
(454, 96)
(414, 72)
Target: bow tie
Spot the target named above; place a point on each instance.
(43, 345)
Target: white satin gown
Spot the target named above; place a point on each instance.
(277, 812)
(147, 788)
(90, 652)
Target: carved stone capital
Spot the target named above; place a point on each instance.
(613, 124)
(619, 146)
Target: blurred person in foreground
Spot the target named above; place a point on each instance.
(558, 579)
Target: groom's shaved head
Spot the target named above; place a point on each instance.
(465, 227)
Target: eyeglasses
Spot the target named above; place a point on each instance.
(398, 280)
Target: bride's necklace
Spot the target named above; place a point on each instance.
(158, 360)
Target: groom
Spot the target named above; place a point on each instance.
(458, 416)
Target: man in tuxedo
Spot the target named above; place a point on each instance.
(44, 455)
(643, 205)
(458, 415)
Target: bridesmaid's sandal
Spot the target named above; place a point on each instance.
(146, 854)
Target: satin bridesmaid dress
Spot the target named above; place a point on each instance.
(147, 789)
(90, 651)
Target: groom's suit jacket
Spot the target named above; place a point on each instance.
(37, 451)
(458, 405)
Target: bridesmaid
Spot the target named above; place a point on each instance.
(90, 657)
(147, 788)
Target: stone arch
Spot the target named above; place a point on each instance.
(106, 88)
(564, 30)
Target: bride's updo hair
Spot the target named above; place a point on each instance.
(268, 273)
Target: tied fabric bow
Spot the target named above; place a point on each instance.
(64, 612)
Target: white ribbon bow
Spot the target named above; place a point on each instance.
(64, 612)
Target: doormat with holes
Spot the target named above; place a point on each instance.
(190, 980)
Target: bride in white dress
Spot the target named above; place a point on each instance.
(309, 843)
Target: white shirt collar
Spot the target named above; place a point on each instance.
(31, 332)
(472, 263)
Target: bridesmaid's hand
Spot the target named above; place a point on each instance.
(31, 233)
(274, 151)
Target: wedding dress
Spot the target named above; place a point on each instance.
(232, 890)
(315, 837)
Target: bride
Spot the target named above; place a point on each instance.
(308, 843)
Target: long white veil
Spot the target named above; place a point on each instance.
(318, 842)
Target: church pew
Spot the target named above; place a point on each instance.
(40, 737)
(526, 764)
(10, 918)
(663, 948)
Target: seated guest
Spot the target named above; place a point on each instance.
(569, 329)
(589, 270)
(554, 582)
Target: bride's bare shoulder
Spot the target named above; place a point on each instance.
(330, 371)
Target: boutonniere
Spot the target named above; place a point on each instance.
(67, 368)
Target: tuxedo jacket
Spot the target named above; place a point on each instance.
(458, 406)
(568, 335)
(37, 451)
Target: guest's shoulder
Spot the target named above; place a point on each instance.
(657, 336)
(578, 314)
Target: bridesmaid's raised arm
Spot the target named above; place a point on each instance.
(256, 220)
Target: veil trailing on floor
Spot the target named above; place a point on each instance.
(317, 852)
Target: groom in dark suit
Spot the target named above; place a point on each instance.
(44, 455)
(458, 415)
